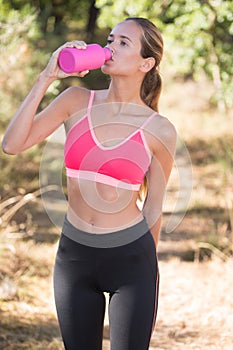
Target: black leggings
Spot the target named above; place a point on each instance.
(128, 272)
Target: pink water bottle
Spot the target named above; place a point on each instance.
(73, 60)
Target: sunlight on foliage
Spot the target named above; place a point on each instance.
(198, 37)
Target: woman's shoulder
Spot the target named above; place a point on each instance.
(81, 94)
(77, 93)
(76, 98)
(162, 130)
(160, 124)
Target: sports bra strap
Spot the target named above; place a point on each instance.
(148, 120)
(91, 99)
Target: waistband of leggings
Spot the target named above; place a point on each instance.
(105, 240)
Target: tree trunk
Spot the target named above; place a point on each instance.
(91, 25)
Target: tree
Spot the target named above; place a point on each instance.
(56, 15)
(93, 15)
(19, 58)
(198, 33)
(198, 36)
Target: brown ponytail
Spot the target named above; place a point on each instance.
(151, 88)
(152, 46)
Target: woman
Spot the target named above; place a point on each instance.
(115, 140)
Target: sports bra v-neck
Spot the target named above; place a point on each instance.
(123, 165)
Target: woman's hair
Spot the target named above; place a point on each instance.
(152, 46)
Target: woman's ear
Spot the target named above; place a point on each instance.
(147, 64)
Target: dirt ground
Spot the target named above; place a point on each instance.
(195, 307)
(195, 304)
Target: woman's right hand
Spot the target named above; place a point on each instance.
(53, 71)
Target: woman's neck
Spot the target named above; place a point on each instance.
(124, 91)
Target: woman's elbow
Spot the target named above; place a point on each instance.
(9, 149)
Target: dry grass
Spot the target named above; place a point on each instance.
(195, 310)
(195, 305)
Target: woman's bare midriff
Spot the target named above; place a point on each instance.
(98, 208)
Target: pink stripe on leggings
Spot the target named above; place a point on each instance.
(156, 301)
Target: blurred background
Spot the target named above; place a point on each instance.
(195, 254)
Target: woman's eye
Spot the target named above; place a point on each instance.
(122, 43)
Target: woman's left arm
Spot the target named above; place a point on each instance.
(164, 147)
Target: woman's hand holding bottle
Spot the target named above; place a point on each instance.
(53, 71)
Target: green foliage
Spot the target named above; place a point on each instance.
(203, 30)
(28, 34)
(198, 36)
(113, 12)
(19, 58)
(55, 15)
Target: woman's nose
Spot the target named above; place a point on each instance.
(111, 47)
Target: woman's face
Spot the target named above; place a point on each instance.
(125, 43)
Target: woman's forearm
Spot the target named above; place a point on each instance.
(21, 124)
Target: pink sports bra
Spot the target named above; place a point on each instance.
(123, 165)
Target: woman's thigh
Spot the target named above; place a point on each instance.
(80, 307)
(133, 306)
